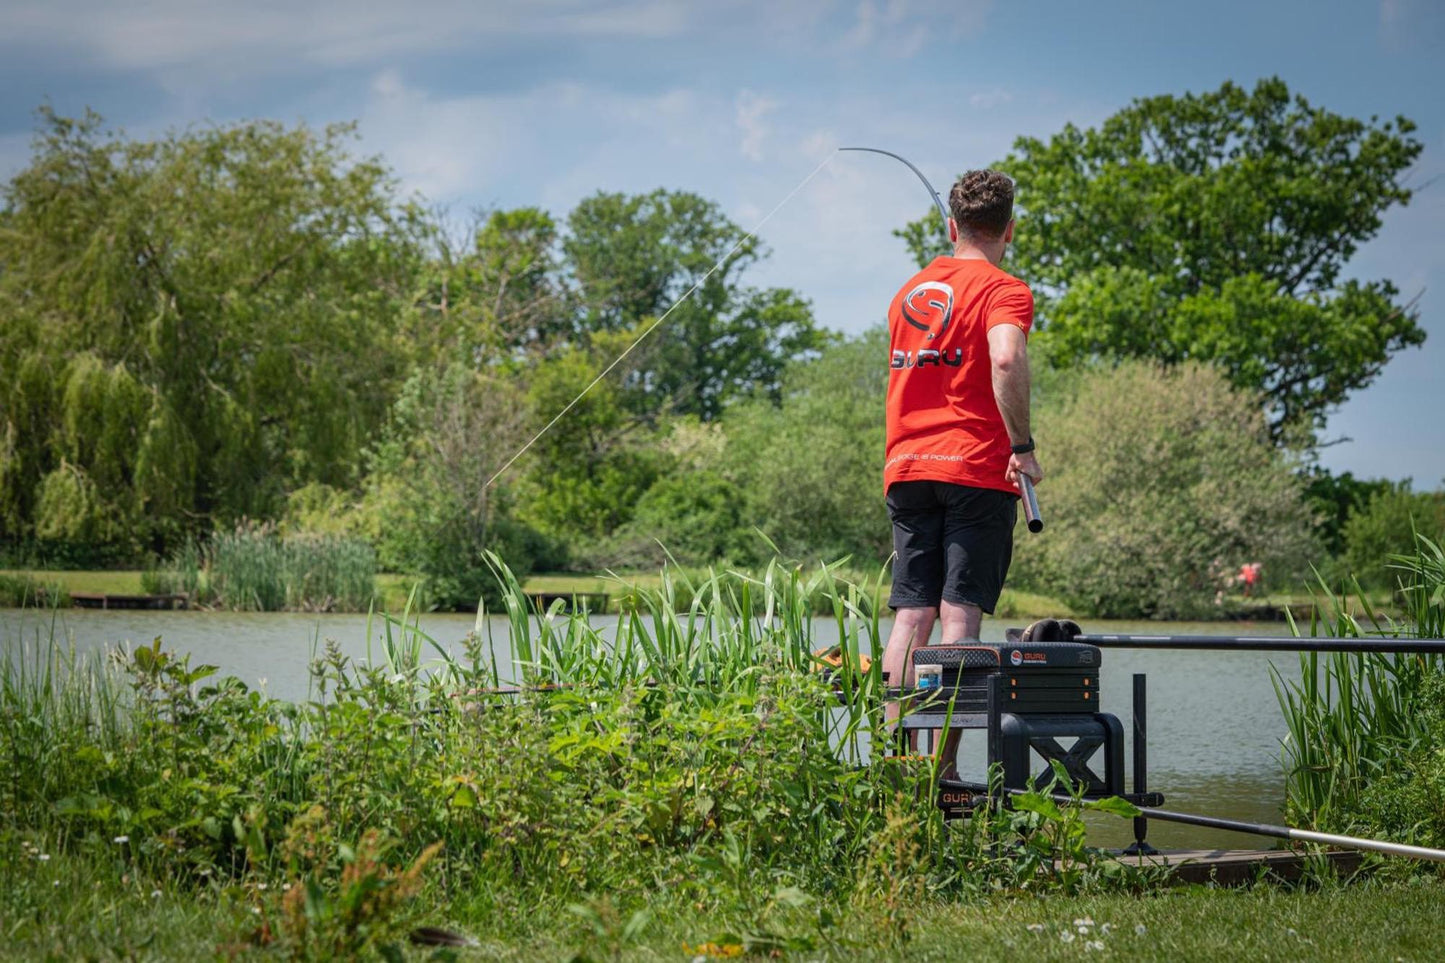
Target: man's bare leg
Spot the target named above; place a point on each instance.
(911, 628)
(960, 623)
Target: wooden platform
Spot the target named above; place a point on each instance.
(96, 600)
(1238, 867)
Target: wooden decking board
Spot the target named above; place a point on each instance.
(97, 600)
(1235, 867)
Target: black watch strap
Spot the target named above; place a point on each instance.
(1023, 449)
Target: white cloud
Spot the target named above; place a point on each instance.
(991, 98)
(900, 28)
(265, 34)
(751, 109)
(551, 140)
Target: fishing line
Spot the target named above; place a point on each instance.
(652, 327)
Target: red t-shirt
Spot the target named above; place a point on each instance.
(943, 421)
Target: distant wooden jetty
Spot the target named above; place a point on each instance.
(99, 600)
(594, 602)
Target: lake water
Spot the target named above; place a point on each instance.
(1214, 725)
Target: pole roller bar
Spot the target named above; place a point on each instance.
(1261, 643)
(1238, 826)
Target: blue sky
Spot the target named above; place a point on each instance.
(478, 104)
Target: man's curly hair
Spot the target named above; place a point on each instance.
(982, 203)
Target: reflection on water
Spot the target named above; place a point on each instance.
(1214, 725)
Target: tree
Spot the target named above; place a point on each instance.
(191, 327)
(811, 468)
(1387, 525)
(495, 294)
(632, 257)
(1216, 227)
(428, 507)
(1162, 482)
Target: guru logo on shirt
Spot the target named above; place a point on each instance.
(928, 307)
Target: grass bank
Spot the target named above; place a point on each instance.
(68, 908)
(392, 589)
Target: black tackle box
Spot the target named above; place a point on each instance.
(1039, 677)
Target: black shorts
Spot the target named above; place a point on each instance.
(953, 543)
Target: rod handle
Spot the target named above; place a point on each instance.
(1032, 518)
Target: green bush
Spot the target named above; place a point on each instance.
(700, 754)
(810, 469)
(1386, 525)
(1160, 483)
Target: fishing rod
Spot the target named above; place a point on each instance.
(1239, 826)
(1248, 643)
(1032, 516)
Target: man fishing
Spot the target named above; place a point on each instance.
(957, 427)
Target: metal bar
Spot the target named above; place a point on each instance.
(1254, 829)
(1262, 643)
(1141, 762)
(1032, 518)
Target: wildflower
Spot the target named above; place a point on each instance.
(43, 857)
(56, 884)
(121, 840)
(1036, 927)
(1140, 929)
(1085, 922)
(155, 894)
(285, 887)
(1067, 936)
(1104, 929)
(260, 885)
(1094, 945)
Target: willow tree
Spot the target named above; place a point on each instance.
(191, 326)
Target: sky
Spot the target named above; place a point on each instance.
(478, 105)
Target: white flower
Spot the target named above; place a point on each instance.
(1093, 945)
(121, 840)
(256, 910)
(260, 885)
(1087, 921)
(155, 894)
(1104, 929)
(1083, 931)
(1067, 936)
(1036, 927)
(1140, 929)
(56, 884)
(43, 857)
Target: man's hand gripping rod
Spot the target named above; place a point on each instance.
(1032, 517)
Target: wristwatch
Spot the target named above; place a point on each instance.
(1023, 449)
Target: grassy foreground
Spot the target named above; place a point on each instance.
(66, 908)
(691, 784)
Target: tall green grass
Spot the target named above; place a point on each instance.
(255, 568)
(1357, 722)
(695, 747)
(20, 591)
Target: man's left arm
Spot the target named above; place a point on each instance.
(1009, 355)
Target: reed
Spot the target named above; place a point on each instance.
(254, 568)
(1354, 719)
(695, 746)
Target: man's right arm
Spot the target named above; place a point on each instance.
(1008, 353)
